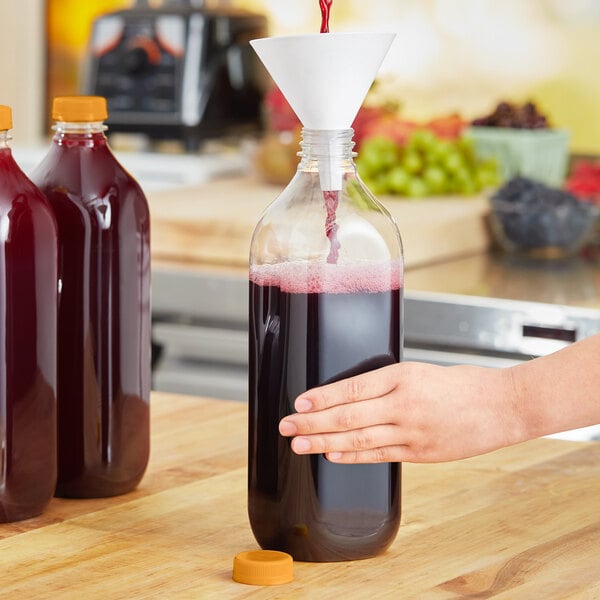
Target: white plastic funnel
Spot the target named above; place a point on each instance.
(324, 77)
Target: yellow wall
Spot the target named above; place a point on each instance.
(69, 24)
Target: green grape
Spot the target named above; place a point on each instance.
(357, 196)
(487, 177)
(417, 188)
(364, 168)
(436, 179)
(397, 180)
(379, 185)
(454, 162)
(422, 139)
(467, 147)
(441, 149)
(466, 182)
(469, 187)
(412, 162)
(378, 154)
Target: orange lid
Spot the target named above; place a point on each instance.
(79, 109)
(263, 567)
(5, 118)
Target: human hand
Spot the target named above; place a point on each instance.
(413, 412)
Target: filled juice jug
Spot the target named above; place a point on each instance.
(104, 305)
(326, 279)
(28, 297)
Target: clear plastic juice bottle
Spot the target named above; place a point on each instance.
(104, 305)
(28, 297)
(326, 280)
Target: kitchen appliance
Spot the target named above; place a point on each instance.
(179, 71)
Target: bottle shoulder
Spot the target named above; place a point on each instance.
(86, 175)
(303, 222)
(17, 190)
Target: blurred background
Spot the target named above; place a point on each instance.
(449, 56)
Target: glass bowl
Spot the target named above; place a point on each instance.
(532, 219)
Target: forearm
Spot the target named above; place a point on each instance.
(559, 391)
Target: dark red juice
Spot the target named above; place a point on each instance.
(28, 247)
(308, 329)
(104, 317)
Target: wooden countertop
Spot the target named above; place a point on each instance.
(213, 223)
(523, 522)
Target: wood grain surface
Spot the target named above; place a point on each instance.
(520, 523)
(213, 223)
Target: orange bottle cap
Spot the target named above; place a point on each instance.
(263, 567)
(79, 109)
(5, 118)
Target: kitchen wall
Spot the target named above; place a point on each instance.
(22, 72)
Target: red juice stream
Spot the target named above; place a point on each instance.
(104, 317)
(331, 227)
(325, 6)
(308, 329)
(28, 296)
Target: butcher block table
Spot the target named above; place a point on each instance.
(523, 522)
(212, 223)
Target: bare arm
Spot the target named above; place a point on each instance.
(425, 413)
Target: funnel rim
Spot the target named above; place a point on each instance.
(322, 36)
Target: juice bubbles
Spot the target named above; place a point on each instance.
(315, 319)
(28, 296)
(104, 306)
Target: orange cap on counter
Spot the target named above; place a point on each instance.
(5, 118)
(263, 567)
(79, 109)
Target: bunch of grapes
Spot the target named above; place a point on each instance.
(426, 165)
(514, 116)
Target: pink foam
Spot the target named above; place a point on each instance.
(326, 278)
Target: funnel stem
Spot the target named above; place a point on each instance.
(330, 169)
(330, 154)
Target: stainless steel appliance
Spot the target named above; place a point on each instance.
(201, 319)
(179, 71)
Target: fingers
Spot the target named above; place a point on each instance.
(376, 455)
(337, 418)
(368, 385)
(373, 439)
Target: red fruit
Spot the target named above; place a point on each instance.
(279, 114)
(387, 125)
(584, 181)
(449, 127)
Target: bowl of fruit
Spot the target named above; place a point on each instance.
(521, 139)
(530, 218)
(523, 142)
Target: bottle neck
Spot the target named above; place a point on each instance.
(83, 134)
(5, 138)
(331, 145)
(328, 153)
